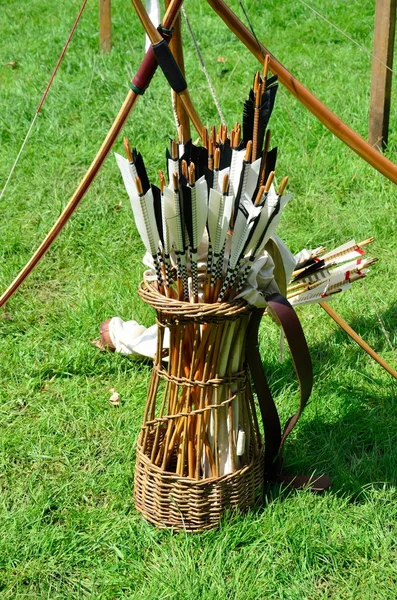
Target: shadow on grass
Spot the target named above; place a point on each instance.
(354, 441)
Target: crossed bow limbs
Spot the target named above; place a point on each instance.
(185, 107)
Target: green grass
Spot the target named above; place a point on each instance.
(68, 527)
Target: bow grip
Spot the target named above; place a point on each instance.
(169, 66)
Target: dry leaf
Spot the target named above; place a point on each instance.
(221, 59)
(7, 317)
(13, 64)
(115, 399)
(98, 344)
(118, 206)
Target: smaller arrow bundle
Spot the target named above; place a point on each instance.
(319, 275)
(215, 208)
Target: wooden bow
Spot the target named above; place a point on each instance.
(145, 74)
(331, 121)
(301, 93)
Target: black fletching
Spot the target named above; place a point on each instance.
(264, 115)
(209, 177)
(305, 263)
(317, 266)
(141, 170)
(188, 152)
(201, 164)
(265, 111)
(248, 117)
(158, 212)
(270, 162)
(187, 211)
(226, 155)
(271, 81)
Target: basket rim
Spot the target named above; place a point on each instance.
(187, 310)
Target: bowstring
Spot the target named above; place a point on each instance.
(203, 66)
(44, 96)
(347, 36)
(315, 172)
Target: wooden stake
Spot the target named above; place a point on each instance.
(381, 79)
(358, 339)
(105, 25)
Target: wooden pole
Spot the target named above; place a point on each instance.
(105, 25)
(177, 51)
(381, 80)
(297, 89)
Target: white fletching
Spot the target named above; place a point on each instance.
(235, 170)
(252, 177)
(135, 200)
(153, 10)
(170, 217)
(201, 206)
(173, 167)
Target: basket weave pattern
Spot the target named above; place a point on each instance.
(199, 450)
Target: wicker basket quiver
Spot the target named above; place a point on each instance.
(199, 451)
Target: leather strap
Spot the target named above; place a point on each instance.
(274, 440)
(269, 414)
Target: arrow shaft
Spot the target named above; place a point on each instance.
(346, 327)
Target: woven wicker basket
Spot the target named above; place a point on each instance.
(199, 452)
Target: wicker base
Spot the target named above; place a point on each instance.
(181, 503)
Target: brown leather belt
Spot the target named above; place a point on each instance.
(274, 438)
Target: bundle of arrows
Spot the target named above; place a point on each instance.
(205, 229)
(319, 274)
(215, 209)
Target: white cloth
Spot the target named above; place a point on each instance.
(128, 337)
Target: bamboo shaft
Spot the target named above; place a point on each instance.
(319, 110)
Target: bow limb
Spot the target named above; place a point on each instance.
(334, 315)
(140, 82)
(297, 89)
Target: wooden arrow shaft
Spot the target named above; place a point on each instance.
(346, 327)
(145, 74)
(319, 110)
